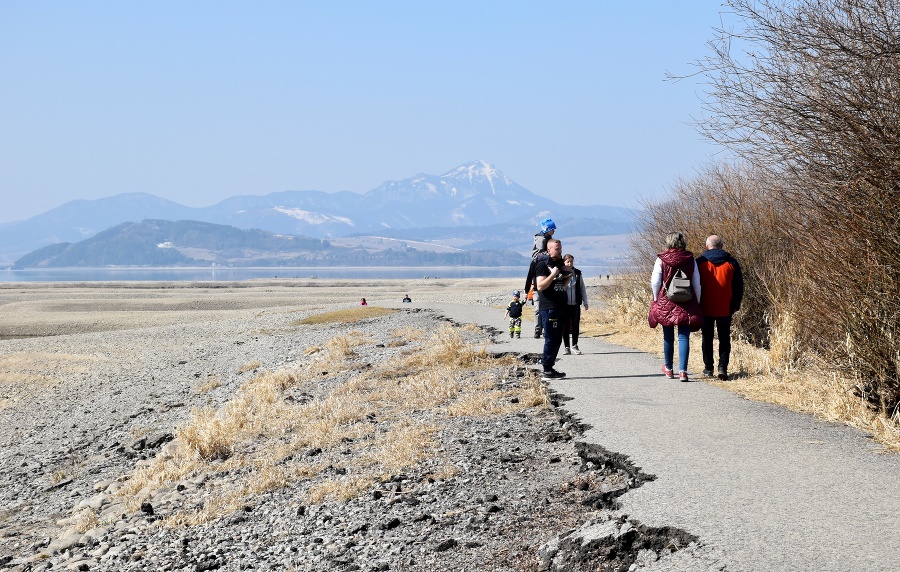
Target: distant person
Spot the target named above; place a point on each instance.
(723, 292)
(514, 313)
(407, 299)
(538, 249)
(577, 297)
(552, 278)
(363, 302)
(686, 315)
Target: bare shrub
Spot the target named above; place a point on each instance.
(737, 203)
(808, 91)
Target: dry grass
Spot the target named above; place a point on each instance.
(212, 382)
(406, 444)
(23, 369)
(347, 316)
(23, 375)
(781, 375)
(85, 520)
(826, 396)
(404, 336)
(260, 433)
(249, 366)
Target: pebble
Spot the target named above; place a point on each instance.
(523, 491)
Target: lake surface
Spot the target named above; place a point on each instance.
(238, 274)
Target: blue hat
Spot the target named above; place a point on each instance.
(547, 225)
(515, 292)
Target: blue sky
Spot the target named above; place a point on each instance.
(196, 101)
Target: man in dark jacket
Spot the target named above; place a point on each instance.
(723, 289)
(551, 280)
(539, 250)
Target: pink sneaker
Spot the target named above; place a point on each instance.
(668, 372)
(682, 376)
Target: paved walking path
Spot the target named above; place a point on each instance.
(765, 489)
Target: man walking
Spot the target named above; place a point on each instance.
(551, 280)
(548, 227)
(722, 285)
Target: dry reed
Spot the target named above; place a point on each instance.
(259, 432)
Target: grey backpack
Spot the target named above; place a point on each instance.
(679, 288)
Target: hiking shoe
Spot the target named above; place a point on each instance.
(576, 351)
(723, 374)
(668, 372)
(551, 373)
(537, 334)
(567, 351)
(708, 372)
(683, 376)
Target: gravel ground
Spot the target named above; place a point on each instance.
(94, 381)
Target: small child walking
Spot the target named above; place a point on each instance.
(514, 313)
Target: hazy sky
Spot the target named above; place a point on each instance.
(196, 101)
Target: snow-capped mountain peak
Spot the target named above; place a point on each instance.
(477, 172)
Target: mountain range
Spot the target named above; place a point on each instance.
(473, 206)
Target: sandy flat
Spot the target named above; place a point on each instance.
(47, 309)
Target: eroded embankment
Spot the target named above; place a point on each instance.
(609, 540)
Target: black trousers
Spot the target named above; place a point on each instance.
(723, 327)
(572, 325)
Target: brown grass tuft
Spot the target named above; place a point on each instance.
(212, 382)
(346, 316)
(249, 366)
(259, 431)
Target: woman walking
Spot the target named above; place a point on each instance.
(577, 294)
(686, 315)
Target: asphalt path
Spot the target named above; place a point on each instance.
(764, 488)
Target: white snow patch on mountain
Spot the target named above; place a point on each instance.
(479, 171)
(311, 217)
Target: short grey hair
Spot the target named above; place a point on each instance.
(675, 240)
(714, 241)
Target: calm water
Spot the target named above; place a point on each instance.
(237, 274)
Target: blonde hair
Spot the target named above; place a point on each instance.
(675, 240)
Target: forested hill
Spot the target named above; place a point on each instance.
(193, 243)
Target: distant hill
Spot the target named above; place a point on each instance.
(453, 205)
(192, 243)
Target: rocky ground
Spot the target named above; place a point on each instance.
(95, 381)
